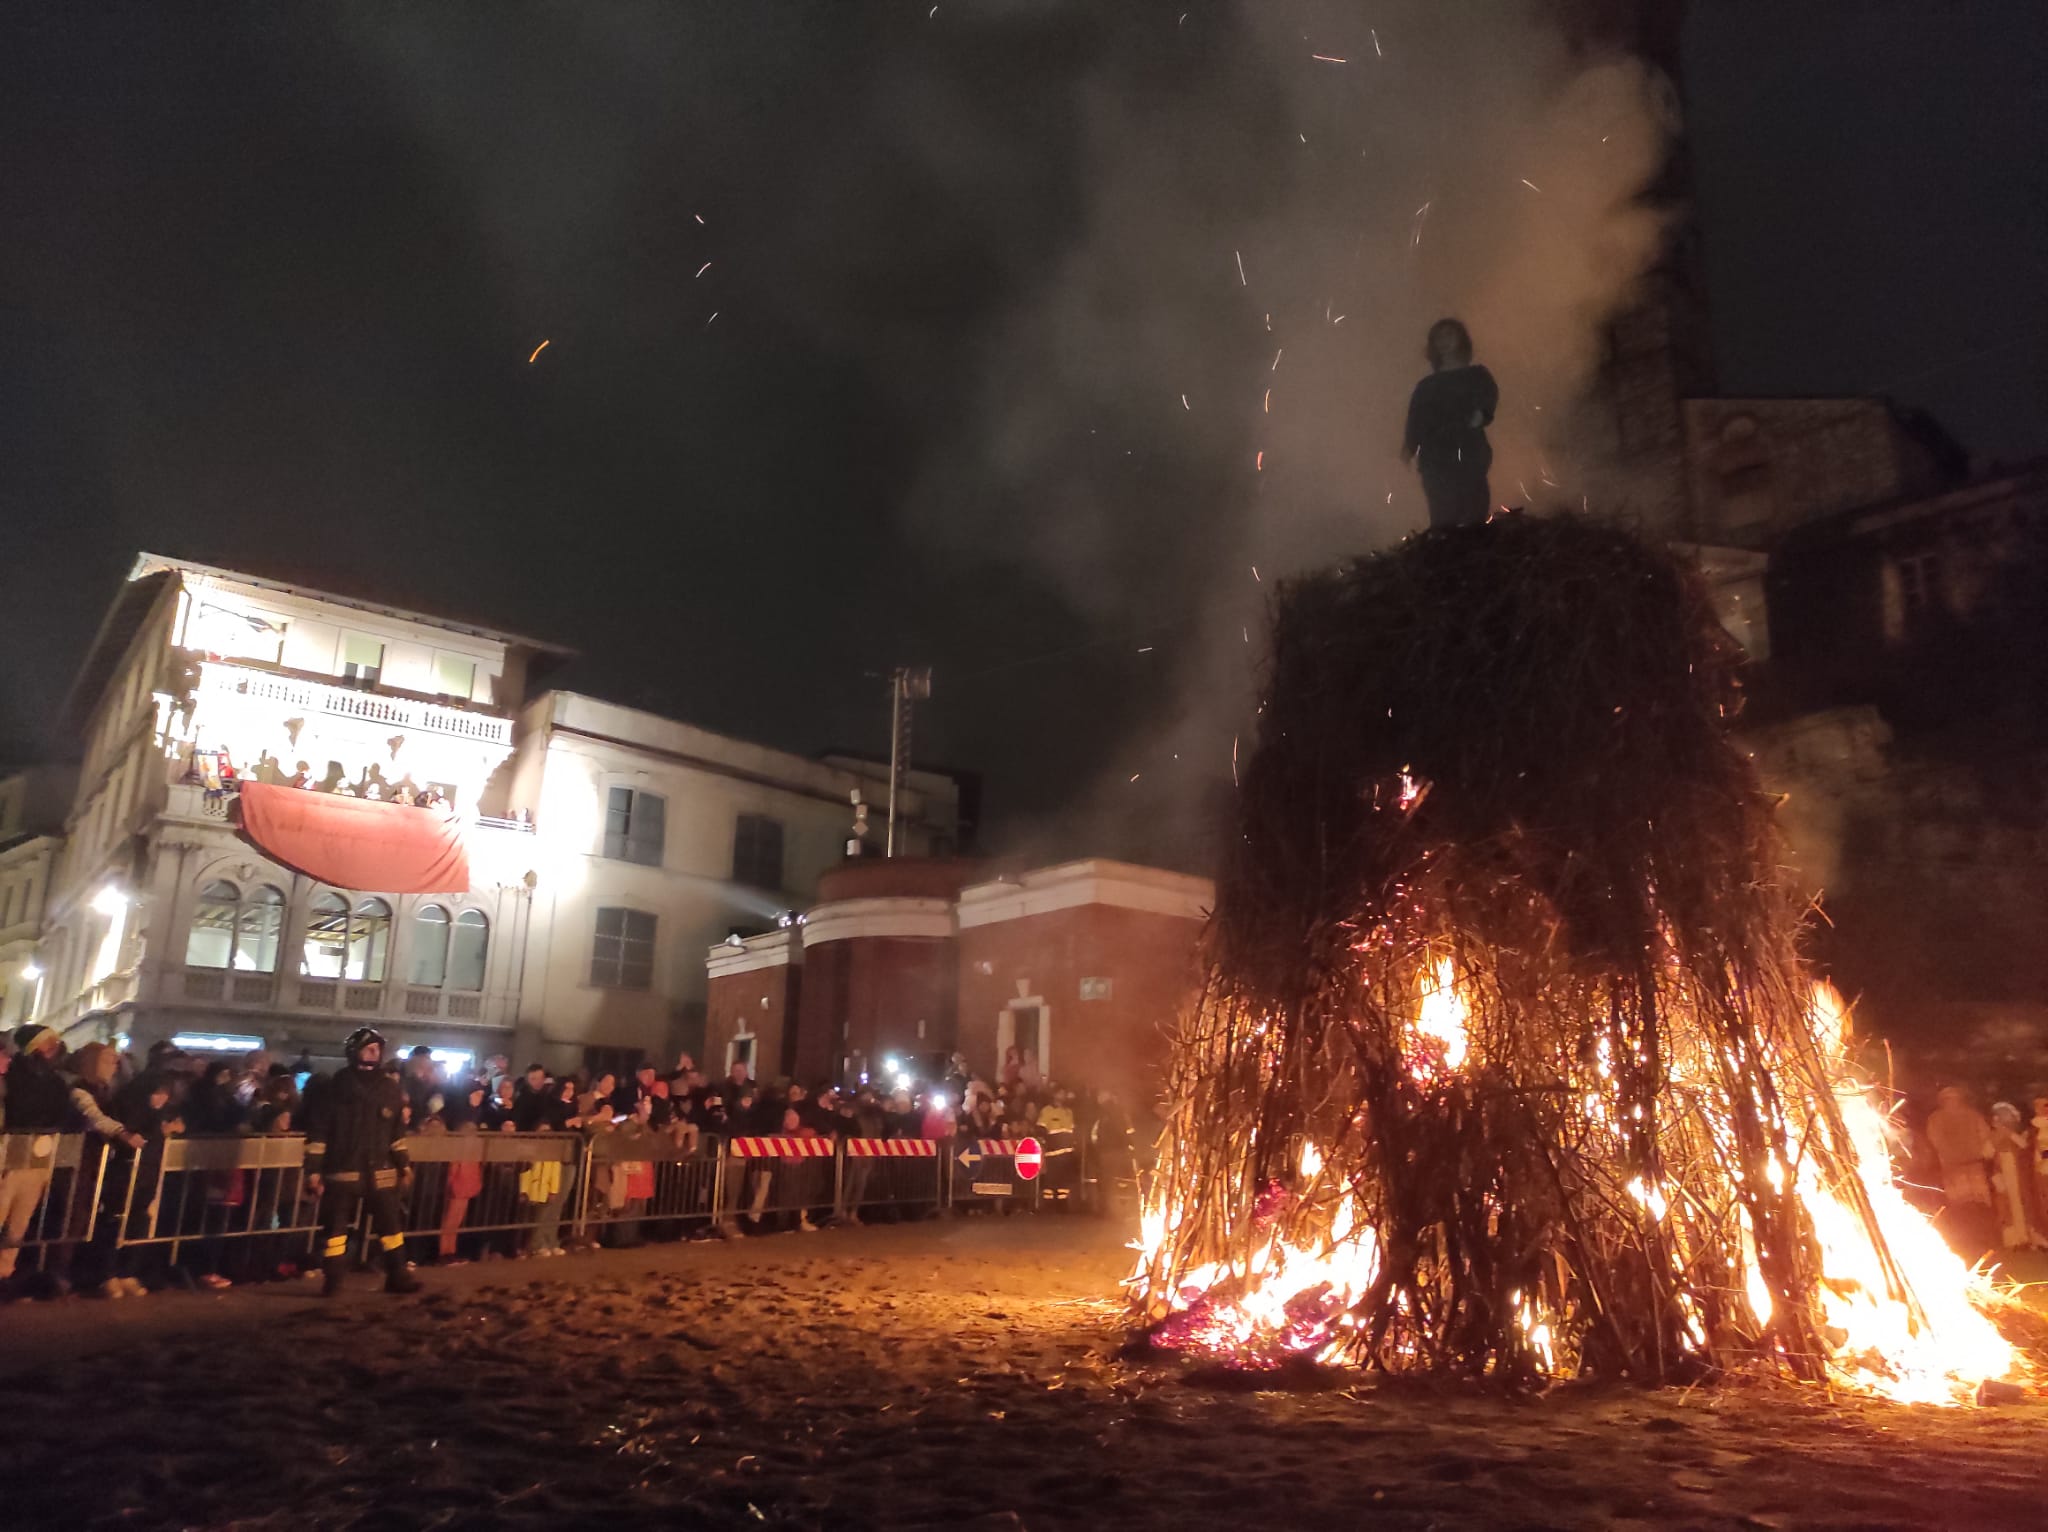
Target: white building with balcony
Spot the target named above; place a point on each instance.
(168, 916)
(248, 862)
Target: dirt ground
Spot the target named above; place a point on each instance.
(961, 1374)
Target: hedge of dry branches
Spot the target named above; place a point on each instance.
(1507, 747)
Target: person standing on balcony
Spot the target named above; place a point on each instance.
(355, 1151)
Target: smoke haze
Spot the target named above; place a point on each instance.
(1211, 380)
(1218, 232)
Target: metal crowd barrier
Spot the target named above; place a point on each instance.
(779, 1175)
(54, 1183)
(681, 1185)
(908, 1173)
(502, 1185)
(497, 1190)
(176, 1192)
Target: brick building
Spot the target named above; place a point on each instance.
(1087, 964)
(904, 961)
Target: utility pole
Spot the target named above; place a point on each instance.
(907, 684)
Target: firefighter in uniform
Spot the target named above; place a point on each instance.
(355, 1150)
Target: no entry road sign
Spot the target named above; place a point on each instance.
(1029, 1158)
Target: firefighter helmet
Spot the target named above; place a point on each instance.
(360, 1039)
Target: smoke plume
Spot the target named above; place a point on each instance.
(1207, 390)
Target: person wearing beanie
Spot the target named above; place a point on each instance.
(37, 1102)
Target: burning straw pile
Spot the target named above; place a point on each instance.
(1506, 1064)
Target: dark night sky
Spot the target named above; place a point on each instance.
(273, 274)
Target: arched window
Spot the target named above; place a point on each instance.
(211, 942)
(326, 938)
(429, 947)
(257, 929)
(369, 941)
(467, 950)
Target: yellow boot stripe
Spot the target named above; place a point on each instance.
(338, 1245)
(392, 1241)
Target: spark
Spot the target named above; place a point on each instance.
(537, 350)
(1241, 282)
(1269, 401)
(1255, 574)
(1134, 776)
(1276, 359)
(1531, 184)
(1259, 463)
(1338, 320)
(931, 13)
(1183, 401)
(1247, 632)
(1421, 214)
(1376, 48)
(701, 270)
(1146, 650)
(1233, 760)
(714, 314)
(1328, 58)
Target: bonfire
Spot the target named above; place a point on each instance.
(1506, 1063)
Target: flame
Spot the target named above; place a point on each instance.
(1917, 1333)
(1440, 1033)
(1908, 1320)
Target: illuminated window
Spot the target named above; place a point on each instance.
(429, 947)
(622, 950)
(326, 951)
(211, 943)
(468, 946)
(258, 928)
(454, 675)
(362, 659)
(635, 826)
(231, 929)
(446, 953)
(369, 941)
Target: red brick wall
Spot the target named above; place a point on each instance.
(865, 995)
(767, 999)
(1119, 1042)
(898, 877)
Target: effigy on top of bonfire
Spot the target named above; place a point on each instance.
(1506, 1064)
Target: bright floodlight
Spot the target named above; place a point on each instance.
(110, 901)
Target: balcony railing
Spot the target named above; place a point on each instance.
(304, 993)
(188, 800)
(301, 695)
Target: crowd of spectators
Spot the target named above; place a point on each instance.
(481, 1207)
(1983, 1178)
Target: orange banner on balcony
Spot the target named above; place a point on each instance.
(358, 843)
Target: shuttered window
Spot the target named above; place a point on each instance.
(635, 826)
(757, 852)
(622, 950)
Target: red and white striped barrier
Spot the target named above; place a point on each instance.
(780, 1148)
(892, 1148)
(997, 1145)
